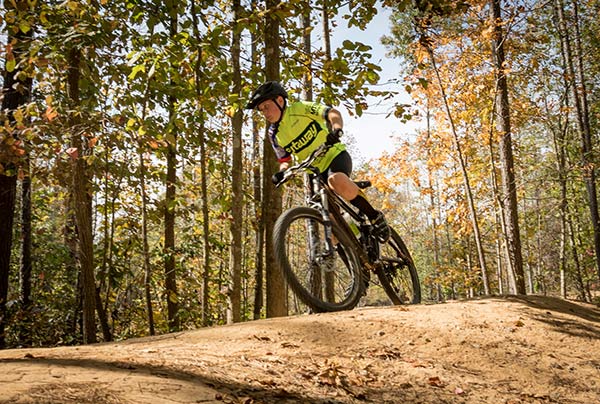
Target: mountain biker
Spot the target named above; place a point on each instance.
(300, 128)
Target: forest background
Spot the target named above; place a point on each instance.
(135, 193)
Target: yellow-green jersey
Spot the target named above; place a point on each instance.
(301, 130)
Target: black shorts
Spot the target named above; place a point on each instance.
(342, 163)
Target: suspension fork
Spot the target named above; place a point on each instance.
(312, 188)
(326, 218)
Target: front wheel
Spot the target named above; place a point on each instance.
(324, 281)
(397, 272)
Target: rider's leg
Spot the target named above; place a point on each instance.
(347, 189)
(338, 178)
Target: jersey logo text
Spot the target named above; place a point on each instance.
(304, 139)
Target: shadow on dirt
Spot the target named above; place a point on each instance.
(224, 390)
(547, 307)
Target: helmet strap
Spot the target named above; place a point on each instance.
(280, 107)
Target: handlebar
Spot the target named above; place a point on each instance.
(306, 164)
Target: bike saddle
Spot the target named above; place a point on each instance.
(363, 184)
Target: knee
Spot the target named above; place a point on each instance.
(343, 186)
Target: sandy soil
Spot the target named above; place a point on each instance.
(497, 350)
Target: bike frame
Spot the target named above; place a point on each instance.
(316, 188)
(322, 243)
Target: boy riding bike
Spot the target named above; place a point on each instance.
(300, 128)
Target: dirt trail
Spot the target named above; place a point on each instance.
(496, 350)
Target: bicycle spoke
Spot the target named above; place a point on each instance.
(398, 274)
(322, 279)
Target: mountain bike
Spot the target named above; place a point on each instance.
(327, 250)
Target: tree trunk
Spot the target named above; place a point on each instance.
(257, 195)
(559, 135)
(106, 332)
(171, 185)
(258, 223)
(25, 264)
(16, 92)
(276, 291)
(510, 211)
(8, 189)
(577, 81)
(103, 276)
(82, 188)
(307, 48)
(326, 38)
(145, 244)
(199, 76)
(465, 174)
(237, 178)
(432, 210)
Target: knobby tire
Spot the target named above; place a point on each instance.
(305, 276)
(398, 275)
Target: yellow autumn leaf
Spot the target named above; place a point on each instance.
(230, 111)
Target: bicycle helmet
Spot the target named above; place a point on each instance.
(266, 91)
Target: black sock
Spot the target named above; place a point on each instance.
(364, 206)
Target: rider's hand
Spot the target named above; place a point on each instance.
(277, 177)
(333, 137)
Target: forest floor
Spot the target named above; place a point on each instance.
(503, 350)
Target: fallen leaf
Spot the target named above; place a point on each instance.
(435, 382)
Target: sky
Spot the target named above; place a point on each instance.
(373, 132)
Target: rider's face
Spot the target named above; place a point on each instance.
(270, 111)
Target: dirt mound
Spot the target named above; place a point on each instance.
(495, 350)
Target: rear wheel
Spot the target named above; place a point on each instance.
(321, 281)
(398, 274)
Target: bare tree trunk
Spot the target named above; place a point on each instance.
(574, 251)
(8, 190)
(106, 331)
(104, 272)
(145, 245)
(276, 291)
(326, 36)
(559, 140)
(259, 224)
(199, 78)
(171, 185)
(578, 86)
(25, 267)
(502, 243)
(82, 191)
(307, 48)
(510, 211)
(16, 92)
(467, 184)
(499, 276)
(237, 178)
(432, 210)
